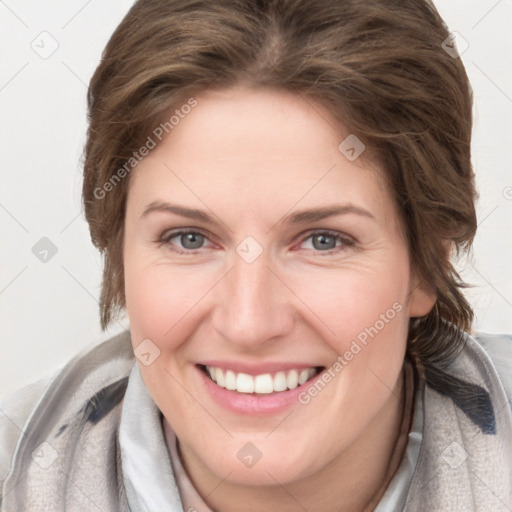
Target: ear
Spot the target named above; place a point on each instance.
(423, 296)
(422, 300)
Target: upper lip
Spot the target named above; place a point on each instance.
(258, 369)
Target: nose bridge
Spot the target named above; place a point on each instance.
(250, 286)
(252, 308)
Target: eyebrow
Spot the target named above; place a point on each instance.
(298, 217)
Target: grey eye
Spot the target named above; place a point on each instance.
(324, 242)
(191, 240)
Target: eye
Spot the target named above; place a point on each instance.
(190, 241)
(327, 241)
(187, 240)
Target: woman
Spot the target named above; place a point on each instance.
(277, 188)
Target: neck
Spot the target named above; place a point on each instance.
(356, 480)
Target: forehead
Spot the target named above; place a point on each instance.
(258, 150)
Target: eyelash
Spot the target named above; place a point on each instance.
(346, 241)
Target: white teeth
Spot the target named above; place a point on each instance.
(219, 377)
(244, 383)
(280, 381)
(261, 384)
(303, 376)
(230, 380)
(293, 379)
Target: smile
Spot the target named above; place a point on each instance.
(265, 383)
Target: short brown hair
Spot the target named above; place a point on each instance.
(378, 65)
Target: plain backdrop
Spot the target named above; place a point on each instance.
(49, 309)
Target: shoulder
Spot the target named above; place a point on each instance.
(467, 431)
(84, 375)
(15, 409)
(498, 347)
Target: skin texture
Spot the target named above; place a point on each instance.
(250, 158)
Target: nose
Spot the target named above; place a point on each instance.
(253, 307)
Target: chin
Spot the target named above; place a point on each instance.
(283, 460)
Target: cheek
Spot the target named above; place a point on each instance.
(160, 304)
(161, 300)
(362, 315)
(358, 304)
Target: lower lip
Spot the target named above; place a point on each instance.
(250, 403)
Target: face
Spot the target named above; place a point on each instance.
(258, 254)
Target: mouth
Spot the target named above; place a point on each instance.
(262, 384)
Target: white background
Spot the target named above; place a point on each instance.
(49, 311)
